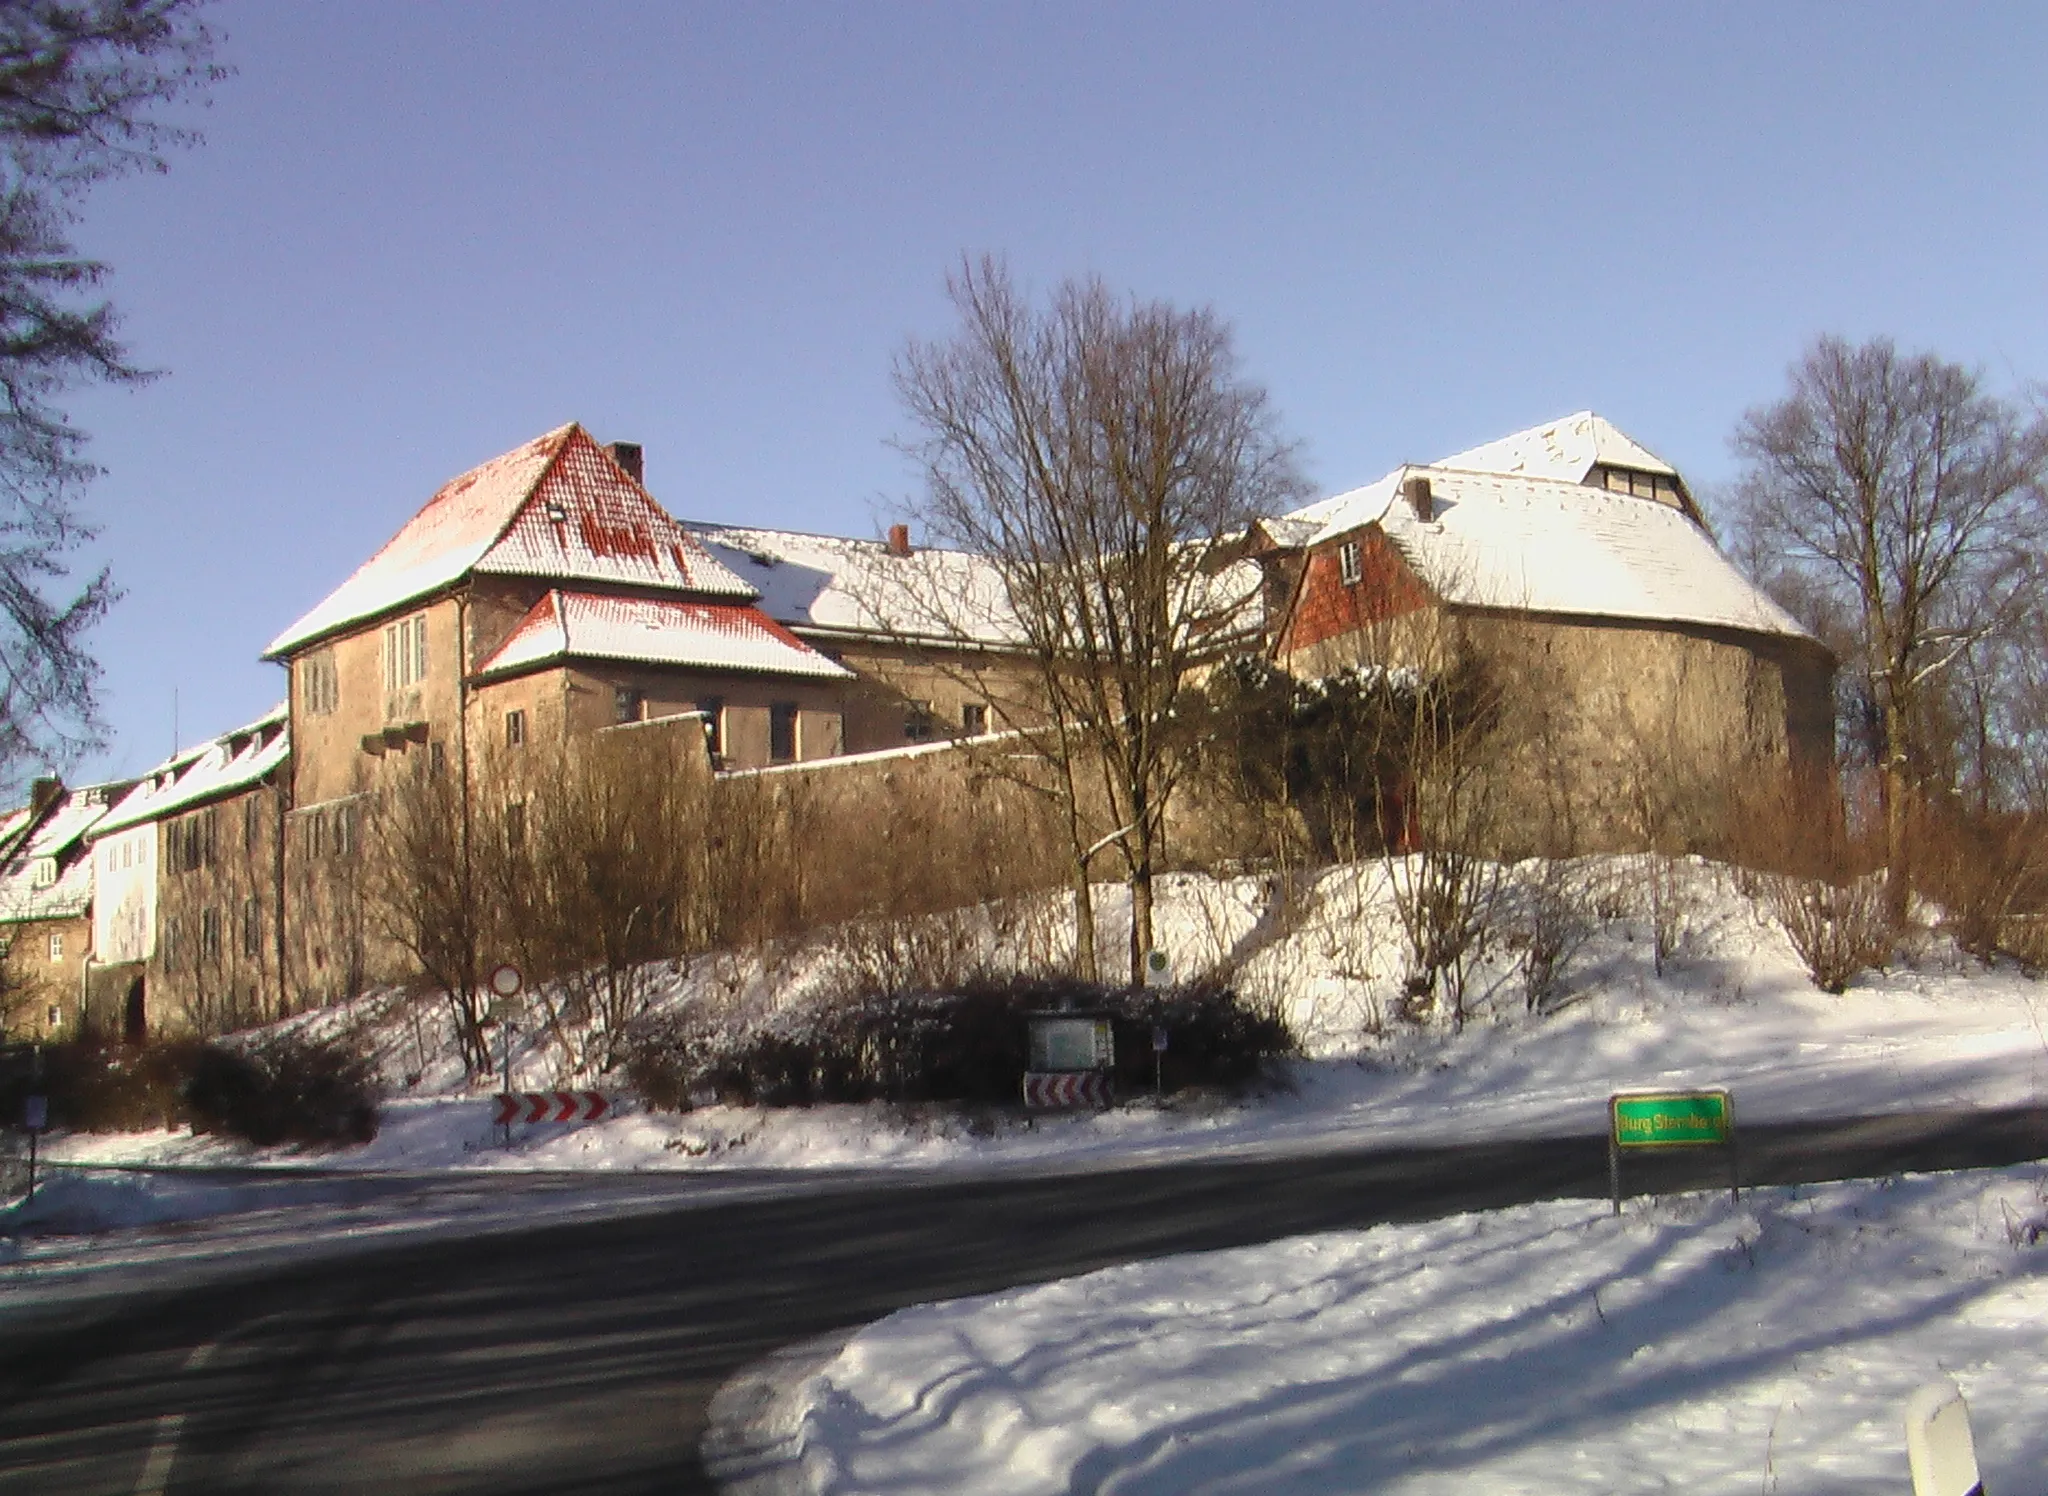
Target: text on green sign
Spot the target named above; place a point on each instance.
(1641, 1121)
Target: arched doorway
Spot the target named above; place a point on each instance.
(135, 1015)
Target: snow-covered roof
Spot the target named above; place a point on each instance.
(830, 584)
(192, 776)
(1568, 449)
(657, 631)
(1549, 545)
(558, 507)
(46, 877)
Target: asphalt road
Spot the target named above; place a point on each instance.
(583, 1358)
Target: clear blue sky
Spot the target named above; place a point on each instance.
(418, 234)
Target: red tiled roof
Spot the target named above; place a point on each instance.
(656, 631)
(557, 506)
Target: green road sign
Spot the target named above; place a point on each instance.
(1669, 1119)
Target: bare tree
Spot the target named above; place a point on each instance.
(604, 867)
(1103, 453)
(1909, 499)
(427, 894)
(80, 83)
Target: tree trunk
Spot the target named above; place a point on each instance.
(1084, 924)
(1898, 829)
(1141, 914)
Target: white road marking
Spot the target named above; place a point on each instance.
(156, 1470)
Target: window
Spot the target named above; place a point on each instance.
(627, 704)
(43, 872)
(917, 722)
(1348, 565)
(171, 943)
(344, 837)
(319, 686)
(252, 927)
(515, 823)
(252, 825)
(437, 758)
(209, 934)
(713, 708)
(56, 1016)
(974, 719)
(782, 732)
(56, 945)
(405, 652)
(515, 728)
(193, 842)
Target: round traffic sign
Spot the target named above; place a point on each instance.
(506, 981)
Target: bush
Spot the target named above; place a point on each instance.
(104, 1088)
(965, 1045)
(1839, 929)
(285, 1090)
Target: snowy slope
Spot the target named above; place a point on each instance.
(1689, 1345)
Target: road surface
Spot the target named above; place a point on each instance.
(583, 1357)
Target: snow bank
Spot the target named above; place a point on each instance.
(1691, 1344)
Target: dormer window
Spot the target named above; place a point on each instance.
(557, 513)
(1661, 487)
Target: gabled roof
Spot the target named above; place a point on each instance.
(1568, 449)
(51, 852)
(192, 776)
(657, 631)
(557, 507)
(1552, 545)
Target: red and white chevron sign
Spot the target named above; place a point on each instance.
(550, 1106)
(1046, 1089)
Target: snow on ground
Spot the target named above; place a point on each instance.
(1692, 1344)
(1732, 1007)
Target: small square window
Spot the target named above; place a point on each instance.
(974, 719)
(917, 722)
(515, 728)
(628, 704)
(1349, 567)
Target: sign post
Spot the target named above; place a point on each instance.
(1072, 1055)
(505, 984)
(1670, 1119)
(35, 1112)
(1158, 1060)
(35, 1116)
(1939, 1449)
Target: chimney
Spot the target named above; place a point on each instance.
(899, 540)
(1420, 499)
(43, 794)
(627, 456)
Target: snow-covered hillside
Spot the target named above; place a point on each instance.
(1732, 1007)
